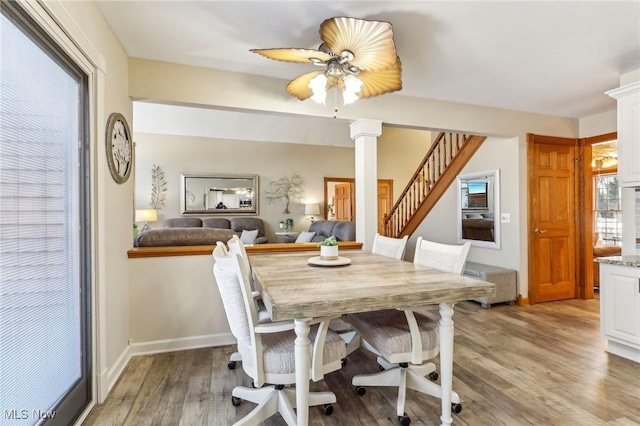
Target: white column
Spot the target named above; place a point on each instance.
(365, 134)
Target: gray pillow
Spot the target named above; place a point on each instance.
(249, 237)
(305, 237)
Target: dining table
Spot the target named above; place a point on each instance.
(292, 288)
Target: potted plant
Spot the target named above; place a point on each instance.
(329, 248)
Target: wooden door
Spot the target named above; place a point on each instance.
(385, 201)
(342, 200)
(552, 218)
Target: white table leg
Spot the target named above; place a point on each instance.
(303, 365)
(446, 360)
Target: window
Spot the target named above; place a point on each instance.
(45, 350)
(608, 215)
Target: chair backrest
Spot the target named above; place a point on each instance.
(235, 292)
(389, 247)
(236, 246)
(446, 257)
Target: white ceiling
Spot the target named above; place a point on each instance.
(546, 57)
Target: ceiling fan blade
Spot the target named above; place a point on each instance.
(302, 56)
(378, 83)
(371, 42)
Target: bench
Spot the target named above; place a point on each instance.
(504, 279)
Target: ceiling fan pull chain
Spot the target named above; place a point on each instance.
(335, 103)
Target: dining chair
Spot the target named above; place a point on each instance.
(236, 246)
(268, 350)
(404, 340)
(389, 247)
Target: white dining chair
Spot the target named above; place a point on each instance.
(236, 246)
(389, 247)
(446, 257)
(405, 340)
(268, 350)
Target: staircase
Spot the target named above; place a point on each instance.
(447, 156)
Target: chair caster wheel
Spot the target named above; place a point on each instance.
(456, 408)
(235, 401)
(232, 365)
(327, 409)
(344, 362)
(360, 390)
(404, 420)
(433, 376)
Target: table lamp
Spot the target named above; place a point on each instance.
(146, 216)
(312, 210)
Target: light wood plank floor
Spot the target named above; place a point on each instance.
(538, 365)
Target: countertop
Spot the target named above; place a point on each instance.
(629, 260)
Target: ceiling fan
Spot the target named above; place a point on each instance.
(359, 57)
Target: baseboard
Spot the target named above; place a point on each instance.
(181, 344)
(116, 370)
(154, 347)
(522, 301)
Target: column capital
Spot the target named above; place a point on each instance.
(365, 127)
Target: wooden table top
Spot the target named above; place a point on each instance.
(291, 288)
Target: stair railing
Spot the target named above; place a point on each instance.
(438, 158)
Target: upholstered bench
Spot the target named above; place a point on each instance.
(504, 279)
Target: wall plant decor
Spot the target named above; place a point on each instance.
(158, 188)
(286, 188)
(119, 147)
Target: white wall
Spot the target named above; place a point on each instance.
(441, 224)
(598, 124)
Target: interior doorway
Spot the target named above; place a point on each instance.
(553, 203)
(340, 199)
(561, 197)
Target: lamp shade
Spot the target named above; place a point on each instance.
(146, 215)
(311, 209)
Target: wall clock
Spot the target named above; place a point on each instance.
(119, 148)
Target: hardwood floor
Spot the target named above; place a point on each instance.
(538, 365)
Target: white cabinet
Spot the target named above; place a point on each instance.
(620, 309)
(628, 133)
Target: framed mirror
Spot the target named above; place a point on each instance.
(479, 209)
(211, 193)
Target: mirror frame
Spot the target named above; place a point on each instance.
(495, 174)
(227, 211)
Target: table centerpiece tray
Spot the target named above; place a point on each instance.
(319, 261)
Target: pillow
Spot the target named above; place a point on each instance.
(248, 237)
(305, 237)
(473, 216)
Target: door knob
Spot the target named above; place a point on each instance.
(538, 231)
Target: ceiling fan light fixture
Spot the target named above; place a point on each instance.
(360, 59)
(318, 86)
(352, 86)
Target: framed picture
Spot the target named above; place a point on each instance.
(119, 148)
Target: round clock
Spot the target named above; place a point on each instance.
(119, 148)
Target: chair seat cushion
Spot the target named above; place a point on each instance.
(279, 354)
(388, 331)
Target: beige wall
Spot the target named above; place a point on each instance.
(400, 151)
(270, 160)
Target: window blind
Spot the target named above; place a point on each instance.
(40, 229)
